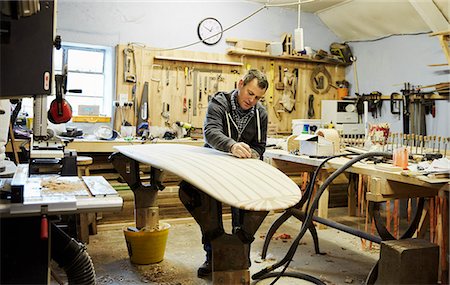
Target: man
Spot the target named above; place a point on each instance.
(237, 123)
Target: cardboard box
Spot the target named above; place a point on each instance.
(275, 48)
(315, 145)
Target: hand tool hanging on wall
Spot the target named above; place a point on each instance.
(311, 106)
(406, 106)
(153, 78)
(375, 103)
(396, 103)
(280, 84)
(165, 113)
(200, 92)
(288, 91)
(167, 75)
(189, 111)
(177, 82)
(320, 80)
(186, 84)
(194, 99)
(129, 60)
(271, 80)
(134, 100)
(143, 108)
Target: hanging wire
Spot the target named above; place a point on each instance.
(388, 36)
(228, 28)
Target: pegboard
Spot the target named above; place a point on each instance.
(171, 88)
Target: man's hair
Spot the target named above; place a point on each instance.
(261, 77)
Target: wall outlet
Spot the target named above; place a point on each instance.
(122, 99)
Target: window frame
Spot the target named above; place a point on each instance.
(107, 72)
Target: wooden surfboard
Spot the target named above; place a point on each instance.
(248, 184)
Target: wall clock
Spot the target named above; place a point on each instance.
(210, 31)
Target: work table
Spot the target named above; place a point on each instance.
(61, 195)
(107, 146)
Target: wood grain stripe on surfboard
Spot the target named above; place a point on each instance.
(248, 184)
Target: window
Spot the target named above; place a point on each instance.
(90, 68)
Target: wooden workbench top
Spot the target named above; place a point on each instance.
(104, 146)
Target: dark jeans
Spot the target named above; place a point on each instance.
(235, 222)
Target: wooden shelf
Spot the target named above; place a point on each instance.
(415, 97)
(198, 60)
(240, 52)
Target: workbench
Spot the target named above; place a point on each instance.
(107, 146)
(383, 186)
(386, 185)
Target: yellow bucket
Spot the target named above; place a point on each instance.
(146, 247)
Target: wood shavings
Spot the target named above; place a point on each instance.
(63, 185)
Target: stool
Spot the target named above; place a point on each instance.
(83, 163)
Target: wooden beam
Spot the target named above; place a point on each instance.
(431, 14)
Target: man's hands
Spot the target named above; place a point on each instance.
(243, 150)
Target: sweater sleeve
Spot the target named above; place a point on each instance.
(215, 126)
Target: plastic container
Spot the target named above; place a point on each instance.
(400, 157)
(298, 125)
(342, 93)
(147, 247)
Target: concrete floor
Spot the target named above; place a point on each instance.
(345, 262)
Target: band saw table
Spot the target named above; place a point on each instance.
(27, 219)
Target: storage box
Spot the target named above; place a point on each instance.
(315, 145)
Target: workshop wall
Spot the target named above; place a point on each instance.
(385, 65)
(163, 25)
(180, 83)
(168, 24)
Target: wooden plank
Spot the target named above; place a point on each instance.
(98, 186)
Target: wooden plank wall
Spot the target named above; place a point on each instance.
(169, 92)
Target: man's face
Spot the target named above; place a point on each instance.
(249, 94)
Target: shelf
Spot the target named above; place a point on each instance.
(198, 60)
(240, 52)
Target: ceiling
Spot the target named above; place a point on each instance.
(355, 20)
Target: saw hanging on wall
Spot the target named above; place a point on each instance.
(143, 108)
(129, 63)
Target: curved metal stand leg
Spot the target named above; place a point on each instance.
(373, 275)
(273, 228)
(415, 221)
(312, 229)
(374, 210)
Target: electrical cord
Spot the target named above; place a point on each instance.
(226, 29)
(263, 274)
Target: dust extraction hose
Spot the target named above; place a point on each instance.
(72, 257)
